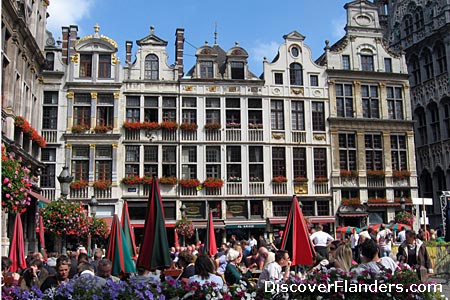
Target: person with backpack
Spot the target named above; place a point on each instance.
(384, 241)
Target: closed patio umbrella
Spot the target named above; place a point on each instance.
(210, 241)
(118, 251)
(17, 247)
(128, 231)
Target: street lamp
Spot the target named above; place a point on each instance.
(64, 180)
(93, 205)
(183, 211)
(402, 202)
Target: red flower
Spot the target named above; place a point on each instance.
(78, 184)
(130, 180)
(212, 126)
(102, 128)
(189, 183)
(131, 125)
(150, 126)
(401, 174)
(213, 183)
(101, 184)
(279, 179)
(168, 180)
(188, 126)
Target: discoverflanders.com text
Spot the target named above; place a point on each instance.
(348, 287)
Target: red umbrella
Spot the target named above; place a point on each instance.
(177, 243)
(118, 252)
(128, 231)
(17, 247)
(296, 237)
(154, 251)
(398, 226)
(210, 241)
(41, 237)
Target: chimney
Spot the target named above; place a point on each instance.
(179, 48)
(65, 43)
(72, 38)
(128, 46)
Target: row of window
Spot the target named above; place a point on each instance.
(428, 64)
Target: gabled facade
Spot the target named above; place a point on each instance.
(422, 30)
(370, 121)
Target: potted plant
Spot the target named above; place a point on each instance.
(212, 126)
(189, 183)
(401, 174)
(255, 179)
(185, 227)
(279, 179)
(233, 125)
(102, 128)
(131, 125)
(234, 179)
(376, 174)
(172, 180)
(349, 174)
(169, 125)
(78, 184)
(147, 180)
(80, 128)
(101, 184)
(213, 183)
(300, 179)
(377, 201)
(188, 126)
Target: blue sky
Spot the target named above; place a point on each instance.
(258, 26)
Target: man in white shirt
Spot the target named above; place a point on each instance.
(384, 241)
(401, 236)
(354, 237)
(273, 271)
(321, 240)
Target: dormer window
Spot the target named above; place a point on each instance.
(206, 69)
(237, 70)
(86, 65)
(366, 62)
(151, 67)
(50, 60)
(104, 66)
(296, 74)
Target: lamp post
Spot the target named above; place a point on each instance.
(65, 179)
(402, 202)
(183, 216)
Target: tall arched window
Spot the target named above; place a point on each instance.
(296, 74)
(427, 60)
(418, 19)
(441, 59)
(421, 126)
(414, 66)
(151, 67)
(408, 25)
(435, 124)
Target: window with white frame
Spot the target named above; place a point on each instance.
(277, 114)
(298, 115)
(278, 161)
(132, 159)
(367, 62)
(50, 110)
(320, 163)
(189, 110)
(256, 163)
(346, 62)
(388, 64)
(151, 161)
(169, 161)
(206, 69)
(296, 74)
(299, 162)
(80, 162)
(255, 113)
(169, 111)
(86, 65)
(82, 109)
(233, 112)
(212, 114)
(234, 163)
(213, 162)
(133, 109)
(318, 115)
(47, 178)
(151, 109)
(189, 162)
(105, 110)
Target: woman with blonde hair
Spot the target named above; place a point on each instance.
(343, 258)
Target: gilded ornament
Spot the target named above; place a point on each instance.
(297, 91)
(116, 95)
(70, 95)
(278, 136)
(357, 83)
(109, 40)
(94, 95)
(212, 89)
(91, 145)
(115, 145)
(188, 88)
(74, 58)
(319, 137)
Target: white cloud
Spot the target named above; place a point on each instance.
(338, 25)
(65, 13)
(264, 49)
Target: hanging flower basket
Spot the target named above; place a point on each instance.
(401, 174)
(212, 126)
(64, 217)
(102, 184)
(102, 128)
(172, 180)
(16, 183)
(213, 183)
(78, 184)
(188, 126)
(82, 128)
(169, 125)
(279, 179)
(184, 227)
(189, 183)
(404, 217)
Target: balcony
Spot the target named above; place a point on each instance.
(233, 135)
(49, 193)
(213, 135)
(132, 134)
(375, 182)
(321, 188)
(234, 188)
(103, 193)
(255, 135)
(50, 136)
(299, 137)
(169, 135)
(188, 191)
(213, 191)
(188, 135)
(279, 188)
(256, 188)
(79, 193)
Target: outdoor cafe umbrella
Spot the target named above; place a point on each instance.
(373, 226)
(154, 251)
(398, 226)
(296, 237)
(41, 239)
(128, 231)
(210, 241)
(17, 247)
(118, 252)
(347, 229)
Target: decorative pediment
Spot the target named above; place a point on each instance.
(294, 35)
(96, 42)
(151, 39)
(237, 51)
(206, 51)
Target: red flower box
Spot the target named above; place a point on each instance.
(150, 126)
(81, 128)
(78, 184)
(188, 126)
(279, 179)
(213, 183)
(401, 174)
(300, 179)
(320, 179)
(351, 202)
(26, 128)
(377, 200)
(349, 174)
(212, 126)
(102, 184)
(376, 173)
(102, 128)
(169, 125)
(189, 183)
(172, 180)
(131, 180)
(131, 125)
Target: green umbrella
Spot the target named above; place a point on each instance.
(118, 251)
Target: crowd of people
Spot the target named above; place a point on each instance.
(252, 261)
